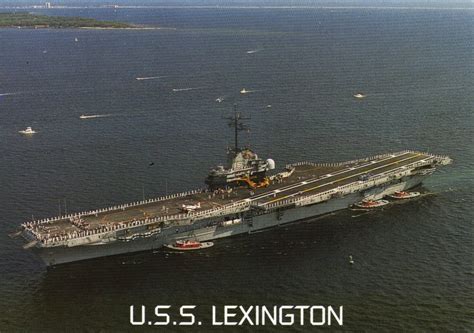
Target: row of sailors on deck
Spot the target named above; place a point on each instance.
(70, 235)
(98, 211)
(46, 238)
(28, 225)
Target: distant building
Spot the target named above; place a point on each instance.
(47, 5)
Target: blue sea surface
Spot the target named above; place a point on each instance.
(413, 266)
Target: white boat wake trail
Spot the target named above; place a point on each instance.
(149, 78)
(186, 89)
(254, 51)
(94, 116)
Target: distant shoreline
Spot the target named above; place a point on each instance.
(85, 28)
(131, 28)
(35, 21)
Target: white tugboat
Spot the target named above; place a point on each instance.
(369, 204)
(403, 195)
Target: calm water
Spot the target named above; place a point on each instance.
(414, 263)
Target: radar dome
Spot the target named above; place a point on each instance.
(270, 164)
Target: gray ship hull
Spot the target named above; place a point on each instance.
(208, 230)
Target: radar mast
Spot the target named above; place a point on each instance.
(236, 122)
(244, 167)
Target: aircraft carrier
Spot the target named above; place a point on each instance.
(244, 196)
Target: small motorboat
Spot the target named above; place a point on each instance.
(187, 245)
(245, 91)
(360, 95)
(351, 261)
(27, 131)
(368, 204)
(403, 195)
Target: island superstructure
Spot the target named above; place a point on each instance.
(241, 197)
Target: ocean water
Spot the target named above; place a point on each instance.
(413, 266)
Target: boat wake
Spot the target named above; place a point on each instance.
(245, 91)
(149, 78)
(83, 116)
(186, 89)
(9, 94)
(132, 262)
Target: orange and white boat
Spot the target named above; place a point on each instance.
(403, 195)
(186, 245)
(368, 204)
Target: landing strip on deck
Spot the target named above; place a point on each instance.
(344, 177)
(306, 178)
